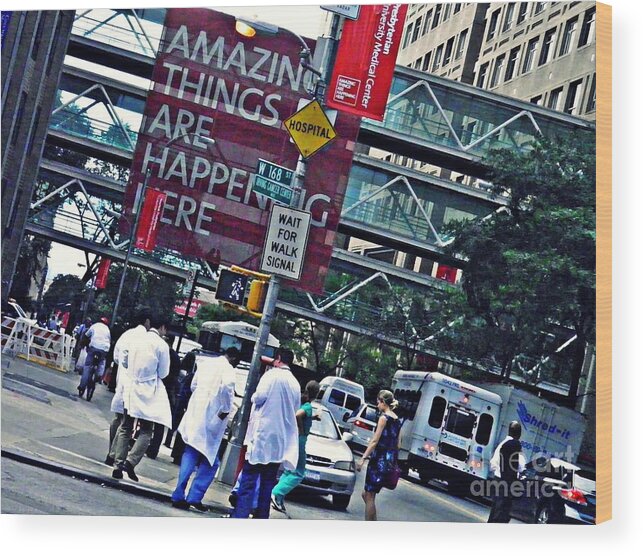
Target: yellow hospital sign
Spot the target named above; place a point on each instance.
(310, 129)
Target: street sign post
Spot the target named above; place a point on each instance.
(310, 129)
(274, 182)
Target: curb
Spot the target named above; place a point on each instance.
(76, 473)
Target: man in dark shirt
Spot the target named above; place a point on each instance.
(507, 463)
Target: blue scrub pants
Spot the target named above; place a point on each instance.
(266, 474)
(191, 462)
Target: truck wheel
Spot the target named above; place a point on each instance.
(341, 501)
(461, 489)
(546, 514)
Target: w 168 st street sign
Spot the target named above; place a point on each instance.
(274, 181)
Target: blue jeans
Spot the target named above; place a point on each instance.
(267, 475)
(192, 461)
(89, 364)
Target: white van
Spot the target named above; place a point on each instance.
(341, 396)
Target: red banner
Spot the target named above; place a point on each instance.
(194, 307)
(365, 62)
(102, 273)
(209, 82)
(447, 273)
(148, 223)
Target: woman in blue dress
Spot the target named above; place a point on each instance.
(381, 451)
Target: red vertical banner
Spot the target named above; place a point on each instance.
(148, 223)
(365, 62)
(447, 273)
(103, 273)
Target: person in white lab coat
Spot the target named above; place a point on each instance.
(121, 352)
(144, 397)
(202, 428)
(272, 438)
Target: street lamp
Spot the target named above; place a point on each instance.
(138, 204)
(231, 459)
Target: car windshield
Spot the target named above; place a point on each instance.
(323, 425)
(370, 413)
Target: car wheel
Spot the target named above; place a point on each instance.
(341, 501)
(545, 515)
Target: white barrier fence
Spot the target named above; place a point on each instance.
(22, 338)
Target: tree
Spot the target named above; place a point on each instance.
(64, 293)
(531, 268)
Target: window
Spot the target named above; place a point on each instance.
(427, 62)
(438, 57)
(568, 36)
(460, 422)
(530, 55)
(352, 402)
(427, 22)
(407, 35)
(35, 46)
(436, 16)
(539, 7)
(483, 433)
(588, 28)
(417, 64)
(448, 50)
(493, 23)
(416, 29)
(336, 397)
(591, 100)
(509, 16)
(447, 12)
(522, 12)
(34, 127)
(554, 98)
(497, 70)
(457, 7)
(548, 47)
(408, 403)
(537, 100)
(19, 116)
(512, 63)
(572, 102)
(482, 75)
(436, 414)
(462, 40)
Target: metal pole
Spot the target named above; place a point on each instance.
(187, 311)
(240, 426)
(130, 245)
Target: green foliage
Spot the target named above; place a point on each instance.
(65, 290)
(219, 313)
(531, 267)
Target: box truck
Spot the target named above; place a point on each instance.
(451, 428)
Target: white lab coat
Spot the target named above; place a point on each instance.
(145, 396)
(121, 352)
(272, 434)
(212, 393)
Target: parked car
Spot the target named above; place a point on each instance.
(556, 491)
(330, 468)
(362, 424)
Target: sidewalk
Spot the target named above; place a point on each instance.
(45, 424)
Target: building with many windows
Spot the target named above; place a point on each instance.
(542, 52)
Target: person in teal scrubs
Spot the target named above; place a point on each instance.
(290, 479)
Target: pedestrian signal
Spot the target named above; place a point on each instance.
(231, 287)
(257, 296)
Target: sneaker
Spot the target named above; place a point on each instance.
(277, 504)
(180, 504)
(129, 469)
(199, 507)
(117, 473)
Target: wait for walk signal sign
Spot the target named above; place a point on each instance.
(310, 129)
